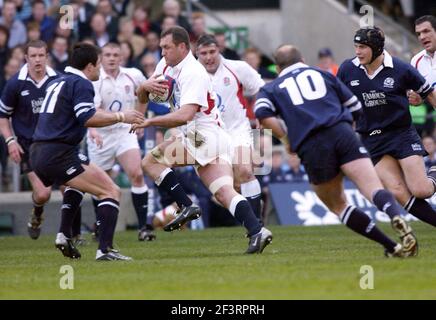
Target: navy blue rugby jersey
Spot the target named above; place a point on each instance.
(307, 99)
(68, 104)
(21, 101)
(384, 94)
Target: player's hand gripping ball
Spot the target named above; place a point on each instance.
(165, 97)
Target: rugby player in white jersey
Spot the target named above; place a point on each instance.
(231, 80)
(115, 92)
(202, 142)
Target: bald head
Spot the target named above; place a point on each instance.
(287, 55)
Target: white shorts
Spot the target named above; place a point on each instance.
(242, 135)
(116, 141)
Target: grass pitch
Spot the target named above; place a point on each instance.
(301, 263)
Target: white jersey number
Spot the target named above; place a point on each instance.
(51, 97)
(308, 85)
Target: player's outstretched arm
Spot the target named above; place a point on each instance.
(103, 118)
(171, 120)
(432, 98)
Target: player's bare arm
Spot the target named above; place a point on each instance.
(103, 118)
(14, 149)
(171, 120)
(277, 130)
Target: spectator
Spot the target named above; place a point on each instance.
(148, 64)
(24, 9)
(225, 51)
(168, 22)
(120, 7)
(171, 8)
(59, 53)
(127, 33)
(105, 8)
(254, 58)
(127, 60)
(46, 24)
(141, 20)
(84, 15)
(4, 50)
(430, 147)
(326, 61)
(152, 45)
(99, 30)
(12, 67)
(198, 28)
(18, 54)
(17, 30)
(33, 31)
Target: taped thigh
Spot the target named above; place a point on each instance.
(220, 182)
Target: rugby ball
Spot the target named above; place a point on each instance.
(165, 97)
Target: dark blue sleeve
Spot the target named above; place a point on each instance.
(83, 100)
(264, 106)
(416, 82)
(9, 98)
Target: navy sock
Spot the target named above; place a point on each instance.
(77, 222)
(140, 203)
(255, 204)
(385, 201)
(71, 202)
(242, 211)
(422, 210)
(359, 222)
(171, 184)
(107, 211)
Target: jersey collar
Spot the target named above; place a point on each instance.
(189, 57)
(24, 75)
(76, 72)
(293, 67)
(387, 63)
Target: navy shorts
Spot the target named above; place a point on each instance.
(398, 143)
(25, 144)
(324, 152)
(56, 163)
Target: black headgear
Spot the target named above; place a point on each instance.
(373, 38)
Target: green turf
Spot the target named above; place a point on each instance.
(301, 263)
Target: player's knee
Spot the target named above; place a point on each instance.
(222, 194)
(422, 191)
(41, 196)
(137, 177)
(114, 192)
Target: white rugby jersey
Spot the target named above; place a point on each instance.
(232, 80)
(117, 94)
(426, 66)
(192, 86)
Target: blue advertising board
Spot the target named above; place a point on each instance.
(297, 204)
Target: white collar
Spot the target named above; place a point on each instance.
(293, 67)
(387, 61)
(185, 60)
(105, 75)
(24, 71)
(76, 72)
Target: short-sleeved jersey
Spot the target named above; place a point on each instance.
(232, 80)
(384, 94)
(426, 66)
(21, 100)
(118, 94)
(308, 100)
(192, 86)
(68, 104)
